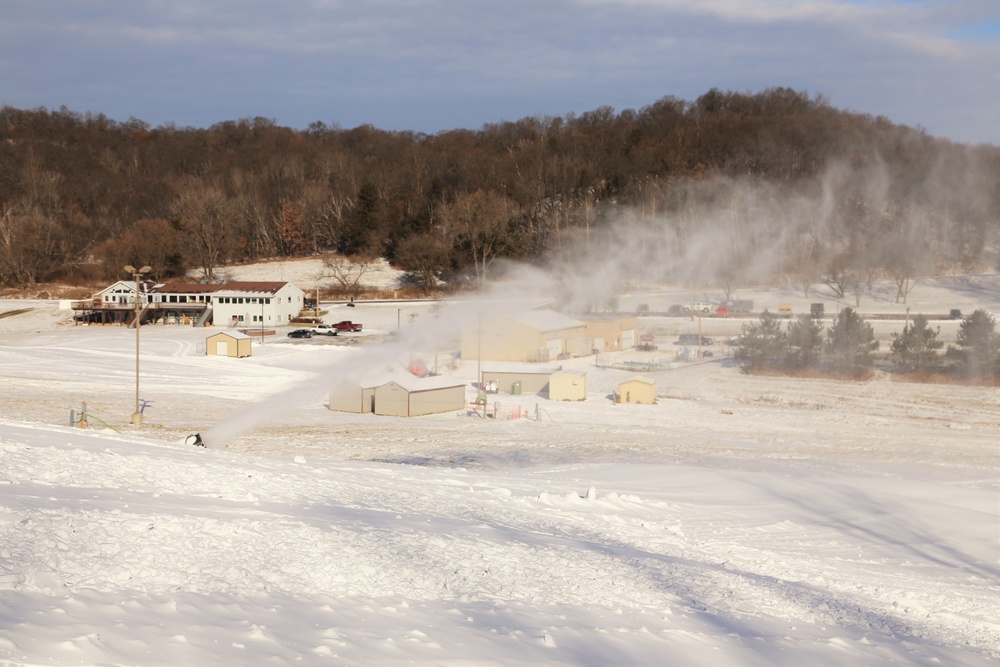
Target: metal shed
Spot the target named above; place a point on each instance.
(534, 336)
(352, 396)
(521, 378)
(637, 389)
(412, 396)
(229, 344)
(568, 386)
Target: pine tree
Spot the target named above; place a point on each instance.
(805, 341)
(851, 341)
(916, 349)
(978, 351)
(761, 344)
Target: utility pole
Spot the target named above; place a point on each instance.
(137, 274)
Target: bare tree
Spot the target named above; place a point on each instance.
(479, 221)
(347, 271)
(206, 217)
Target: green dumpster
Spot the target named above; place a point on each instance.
(516, 387)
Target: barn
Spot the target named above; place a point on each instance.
(410, 396)
(568, 385)
(228, 344)
(517, 378)
(353, 396)
(637, 389)
(533, 336)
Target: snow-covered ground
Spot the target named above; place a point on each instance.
(739, 521)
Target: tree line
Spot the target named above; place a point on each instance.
(849, 347)
(783, 184)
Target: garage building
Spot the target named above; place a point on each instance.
(228, 344)
(410, 396)
(533, 336)
(353, 396)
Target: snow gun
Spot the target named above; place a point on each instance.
(195, 440)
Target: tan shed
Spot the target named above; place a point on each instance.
(411, 396)
(228, 344)
(637, 389)
(517, 378)
(568, 386)
(351, 396)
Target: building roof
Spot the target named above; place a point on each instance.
(639, 378)
(412, 383)
(528, 368)
(256, 287)
(238, 335)
(546, 320)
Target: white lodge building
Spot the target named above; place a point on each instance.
(234, 304)
(247, 304)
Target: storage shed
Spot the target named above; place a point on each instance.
(533, 336)
(353, 396)
(568, 386)
(228, 344)
(410, 396)
(637, 389)
(518, 378)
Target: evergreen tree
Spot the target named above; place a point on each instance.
(978, 351)
(916, 349)
(761, 344)
(805, 341)
(851, 341)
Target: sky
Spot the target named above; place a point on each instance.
(434, 65)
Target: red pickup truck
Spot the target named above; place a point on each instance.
(346, 325)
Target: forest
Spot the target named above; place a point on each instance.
(729, 190)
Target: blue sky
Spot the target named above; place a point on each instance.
(431, 65)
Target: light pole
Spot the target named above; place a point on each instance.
(137, 274)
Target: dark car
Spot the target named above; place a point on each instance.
(693, 339)
(300, 333)
(675, 310)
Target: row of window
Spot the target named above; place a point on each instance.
(183, 298)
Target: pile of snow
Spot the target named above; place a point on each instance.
(740, 520)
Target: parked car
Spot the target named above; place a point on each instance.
(676, 310)
(347, 325)
(700, 307)
(722, 311)
(325, 330)
(692, 339)
(300, 333)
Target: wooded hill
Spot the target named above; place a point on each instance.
(729, 189)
